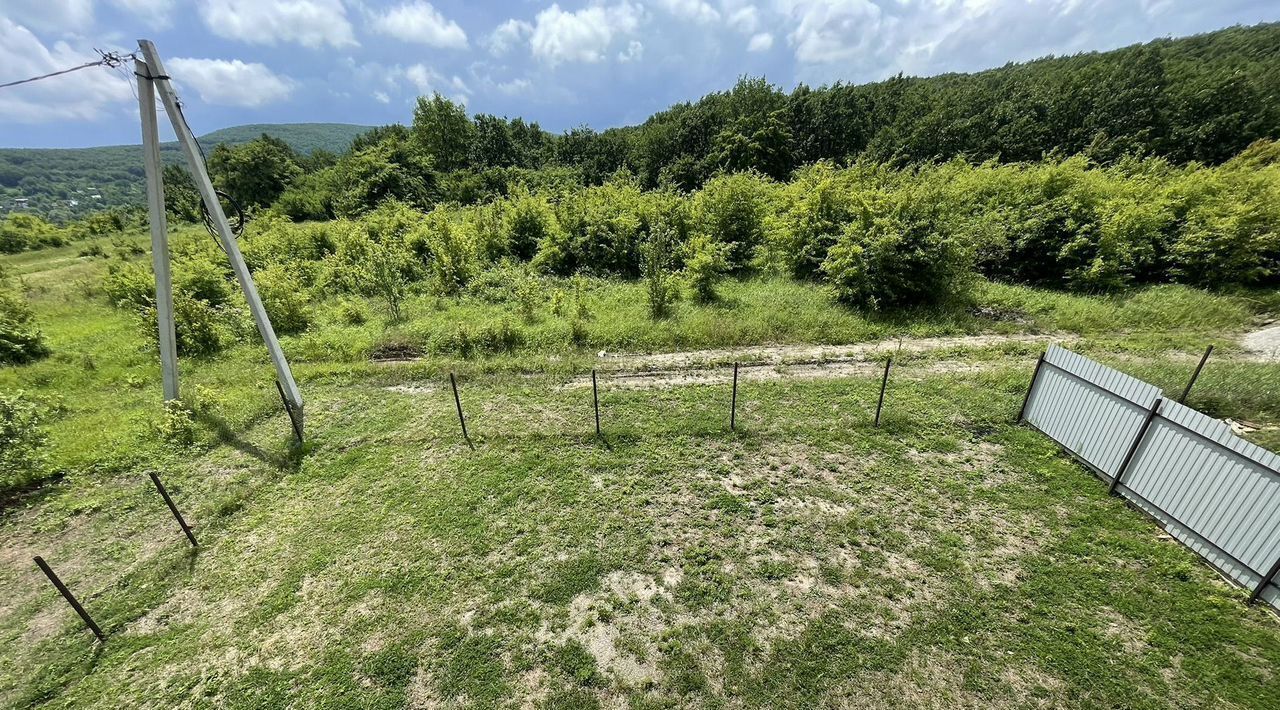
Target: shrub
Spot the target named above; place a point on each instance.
(813, 212)
(352, 312)
(130, 285)
(198, 326)
(383, 269)
(20, 231)
(896, 253)
(450, 247)
(601, 232)
(285, 298)
(177, 425)
(731, 209)
(659, 289)
(20, 340)
(527, 223)
(203, 280)
(22, 441)
(705, 265)
(272, 239)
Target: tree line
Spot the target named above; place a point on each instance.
(1198, 99)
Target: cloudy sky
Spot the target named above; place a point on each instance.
(599, 62)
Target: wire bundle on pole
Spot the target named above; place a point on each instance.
(110, 60)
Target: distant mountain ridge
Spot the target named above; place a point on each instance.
(60, 183)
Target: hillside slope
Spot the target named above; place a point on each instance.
(60, 183)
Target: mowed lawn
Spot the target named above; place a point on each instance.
(946, 559)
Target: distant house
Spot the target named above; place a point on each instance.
(72, 203)
(19, 203)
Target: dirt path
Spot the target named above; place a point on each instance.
(776, 362)
(805, 354)
(1264, 343)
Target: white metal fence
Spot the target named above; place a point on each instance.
(1210, 489)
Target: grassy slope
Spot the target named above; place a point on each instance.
(947, 558)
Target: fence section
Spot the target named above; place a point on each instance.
(1215, 492)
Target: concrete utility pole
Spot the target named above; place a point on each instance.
(152, 74)
(159, 231)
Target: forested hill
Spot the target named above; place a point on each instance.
(52, 178)
(1202, 98)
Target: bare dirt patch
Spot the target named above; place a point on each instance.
(1264, 344)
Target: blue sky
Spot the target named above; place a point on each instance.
(596, 62)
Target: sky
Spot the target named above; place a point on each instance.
(600, 63)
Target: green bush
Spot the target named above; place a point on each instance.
(285, 297)
(352, 312)
(731, 209)
(22, 441)
(130, 284)
(812, 214)
(601, 232)
(382, 268)
(203, 280)
(705, 265)
(450, 250)
(20, 340)
(660, 290)
(528, 222)
(896, 253)
(198, 326)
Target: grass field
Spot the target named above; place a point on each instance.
(947, 559)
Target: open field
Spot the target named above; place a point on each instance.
(946, 559)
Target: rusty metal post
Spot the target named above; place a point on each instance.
(182, 523)
(71, 599)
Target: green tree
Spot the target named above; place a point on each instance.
(442, 132)
(256, 173)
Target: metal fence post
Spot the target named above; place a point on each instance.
(884, 382)
(71, 599)
(182, 523)
(733, 404)
(1195, 376)
(1022, 412)
(458, 402)
(1257, 591)
(595, 398)
(1137, 441)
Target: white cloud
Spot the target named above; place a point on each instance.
(693, 10)
(633, 53)
(157, 14)
(760, 42)
(744, 19)
(89, 94)
(868, 40)
(515, 86)
(582, 36)
(311, 23)
(424, 78)
(61, 16)
(230, 82)
(381, 97)
(420, 22)
(506, 36)
(830, 31)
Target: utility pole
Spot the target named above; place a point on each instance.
(159, 231)
(157, 78)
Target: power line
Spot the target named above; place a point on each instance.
(109, 59)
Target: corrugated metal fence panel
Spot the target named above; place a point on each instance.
(1092, 410)
(1214, 485)
(1216, 492)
